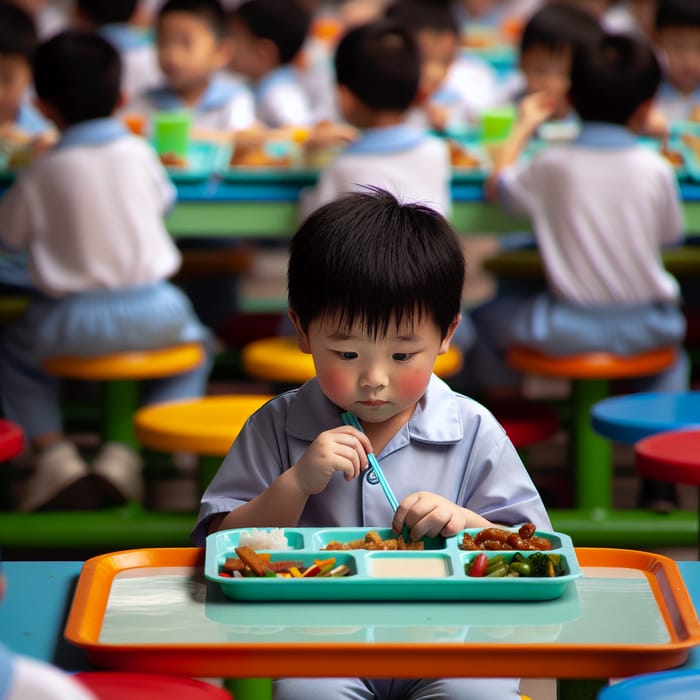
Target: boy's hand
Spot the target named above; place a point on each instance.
(535, 109)
(427, 514)
(342, 449)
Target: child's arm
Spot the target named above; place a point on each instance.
(342, 449)
(534, 110)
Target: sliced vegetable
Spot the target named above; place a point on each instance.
(478, 565)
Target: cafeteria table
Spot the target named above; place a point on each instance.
(152, 610)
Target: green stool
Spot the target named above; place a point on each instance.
(590, 373)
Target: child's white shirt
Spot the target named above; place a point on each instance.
(281, 100)
(91, 213)
(602, 207)
(227, 104)
(407, 162)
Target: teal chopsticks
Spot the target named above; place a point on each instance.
(351, 419)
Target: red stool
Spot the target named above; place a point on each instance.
(670, 456)
(526, 422)
(113, 685)
(11, 440)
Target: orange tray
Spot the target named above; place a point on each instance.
(152, 610)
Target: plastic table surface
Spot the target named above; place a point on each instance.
(39, 594)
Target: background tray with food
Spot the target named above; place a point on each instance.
(357, 563)
(201, 162)
(470, 161)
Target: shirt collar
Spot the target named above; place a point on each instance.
(30, 120)
(605, 135)
(283, 74)
(124, 37)
(668, 91)
(6, 671)
(387, 140)
(92, 133)
(219, 92)
(436, 419)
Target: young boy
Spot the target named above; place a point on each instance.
(377, 72)
(374, 294)
(90, 215)
(602, 207)
(112, 19)
(193, 52)
(455, 88)
(678, 37)
(268, 36)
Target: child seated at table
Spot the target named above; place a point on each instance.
(268, 36)
(601, 207)
(112, 19)
(90, 215)
(455, 86)
(377, 68)
(678, 38)
(375, 288)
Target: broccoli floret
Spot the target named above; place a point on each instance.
(541, 565)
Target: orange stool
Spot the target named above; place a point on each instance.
(206, 426)
(116, 685)
(279, 360)
(590, 373)
(121, 373)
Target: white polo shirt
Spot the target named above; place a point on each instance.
(602, 208)
(90, 213)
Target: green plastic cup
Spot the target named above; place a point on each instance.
(496, 123)
(171, 132)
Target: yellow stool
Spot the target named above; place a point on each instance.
(205, 426)
(279, 360)
(121, 373)
(590, 373)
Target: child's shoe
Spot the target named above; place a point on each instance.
(120, 471)
(61, 481)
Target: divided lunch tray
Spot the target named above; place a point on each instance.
(434, 573)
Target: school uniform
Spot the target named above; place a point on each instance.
(464, 455)
(674, 105)
(281, 100)
(140, 71)
(408, 162)
(602, 208)
(90, 215)
(226, 104)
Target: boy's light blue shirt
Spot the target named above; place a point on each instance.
(451, 446)
(92, 133)
(30, 120)
(125, 37)
(218, 94)
(7, 669)
(388, 139)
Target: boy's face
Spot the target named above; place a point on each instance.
(547, 70)
(682, 48)
(438, 52)
(189, 52)
(15, 77)
(252, 56)
(378, 379)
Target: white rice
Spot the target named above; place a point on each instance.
(263, 539)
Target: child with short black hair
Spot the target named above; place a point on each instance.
(374, 292)
(268, 36)
(112, 19)
(678, 37)
(90, 215)
(193, 51)
(602, 208)
(455, 86)
(377, 69)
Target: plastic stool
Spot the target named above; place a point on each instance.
(116, 685)
(121, 373)
(633, 417)
(205, 426)
(526, 422)
(11, 440)
(673, 456)
(681, 684)
(279, 360)
(590, 374)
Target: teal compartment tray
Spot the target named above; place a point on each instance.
(434, 573)
(203, 160)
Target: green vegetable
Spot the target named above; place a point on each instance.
(495, 562)
(522, 568)
(497, 572)
(541, 565)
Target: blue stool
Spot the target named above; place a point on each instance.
(633, 417)
(681, 684)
